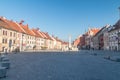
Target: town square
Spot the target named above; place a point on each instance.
(59, 39)
(82, 65)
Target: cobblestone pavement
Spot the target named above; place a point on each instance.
(62, 66)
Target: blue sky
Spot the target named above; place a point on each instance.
(62, 17)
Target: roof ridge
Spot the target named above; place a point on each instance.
(20, 27)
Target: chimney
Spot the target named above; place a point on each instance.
(52, 35)
(2, 17)
(21, 22)
(11, 20)
(37, 29)
(26, 26)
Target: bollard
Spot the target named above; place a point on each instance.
(5, 59)
(95, 54)
(118, 60)
(5, 64)
(2, 56)
(3, 72)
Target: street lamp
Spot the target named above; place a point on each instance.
(22, 43)
(119, 13)
(118, 31)
(10, 44)
(69, 41)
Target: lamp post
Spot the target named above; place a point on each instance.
(119, 12)
(22, 43)
(119, 31)
(10, 44)
(69, 41)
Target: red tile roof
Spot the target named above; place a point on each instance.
(19, 27)
(116, 26)
(65, 43)
(41, 34)
(27, 30)
(47, 36)
(36, 33)
(4, 24)
(12, 25)
(56, 38)
(93, 30)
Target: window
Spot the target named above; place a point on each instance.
(2, 40)
(10, 34)
(14, 34)
(13, 41)
(3, 32)
(18, 35)
(6, 33)
(5, 40)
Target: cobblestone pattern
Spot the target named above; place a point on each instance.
(62, 66)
